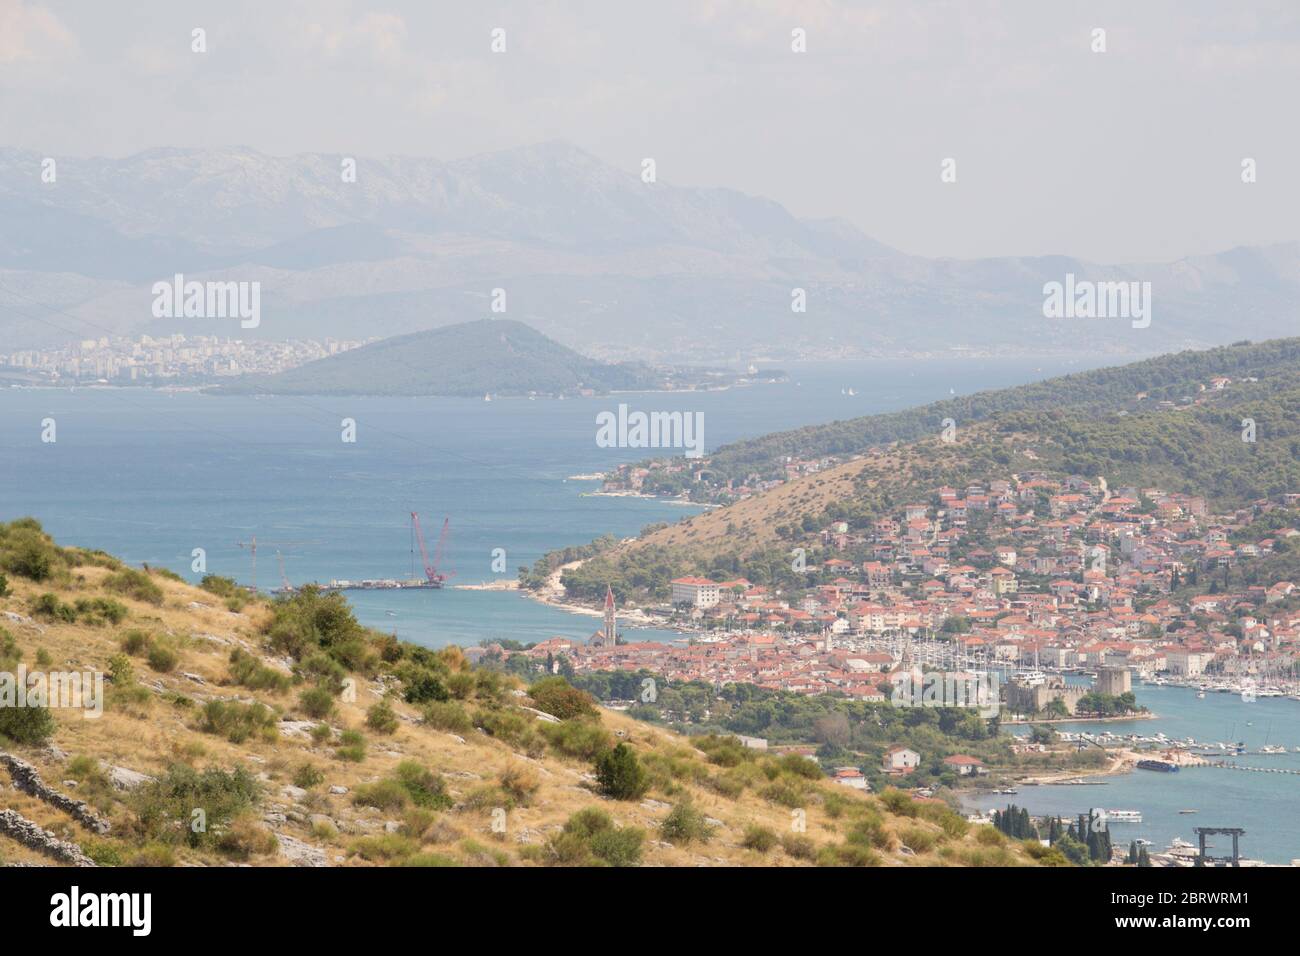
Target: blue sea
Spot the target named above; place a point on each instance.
(1264, 803)
(150, 476)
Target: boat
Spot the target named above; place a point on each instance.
(1164, 766)
(1200, 695)
(1187, 811)
(1124, 816)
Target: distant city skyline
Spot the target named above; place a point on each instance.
(1058, 149)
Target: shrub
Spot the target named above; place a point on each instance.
(26, 725)
(898, 803)
(4, 586)
(590, 837)
(164, 808)
(556, 696)
(798, 846)
(163, 659)
(425, 788)
(580, 739)
(520, 784)
(49, 606)
(245, 837)
(352, 746)
(308, 776)
(449, 716)
(512, 727)
(103, 852)
(799, 766)
(30, 556)
(99, 611)
(390, 846)
(120, 670)
(422, 686)
(248, 671)
(989, 836)
(316, 702)
(919, 839)
(786, 792)
(685, 824)
(758, 838)
(620, 775)
(237, 722)
(381, 718)
(388, 794)
(154, 854)
(136, 642)
(134, 584)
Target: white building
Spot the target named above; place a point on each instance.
(697, 592)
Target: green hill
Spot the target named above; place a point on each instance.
(1177, 378)
(496, 356)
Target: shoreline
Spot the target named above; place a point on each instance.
(1021, 722)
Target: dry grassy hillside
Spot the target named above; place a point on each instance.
(750, 525)
(355, 787)
(754, 520)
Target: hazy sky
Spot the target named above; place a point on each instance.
(1130, 154)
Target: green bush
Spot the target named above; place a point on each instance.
(798, 846)
(580, 739)
(136, 642)
(591, 838)
(49, 606)
(449, 716)
(26, 725)
(758, 838)
(308, 776)
(557, 697)
(316, 702)
(620, 775)
(686, 824)
(425, 788)
(134, 584)
(385, 794)
(381, 718)
(164, 809)
(248, 671)
(162, 658)
(237, 722)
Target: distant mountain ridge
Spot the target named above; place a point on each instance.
(489, 356)
(591, 255)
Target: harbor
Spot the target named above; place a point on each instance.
(1238, 764)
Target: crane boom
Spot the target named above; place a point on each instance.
(431, 572)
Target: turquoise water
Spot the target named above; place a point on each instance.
(150, 476)
(1265, 804)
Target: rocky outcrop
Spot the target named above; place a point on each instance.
(21, 830)
(28, 780)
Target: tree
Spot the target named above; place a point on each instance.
(620, 775)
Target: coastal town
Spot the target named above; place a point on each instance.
(1033, 575)
(163, 359)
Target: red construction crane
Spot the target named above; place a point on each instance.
(431, 570)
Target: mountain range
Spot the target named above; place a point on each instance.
(588, 254)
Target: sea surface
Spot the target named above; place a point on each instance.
(1267, 805)
(150, 476)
